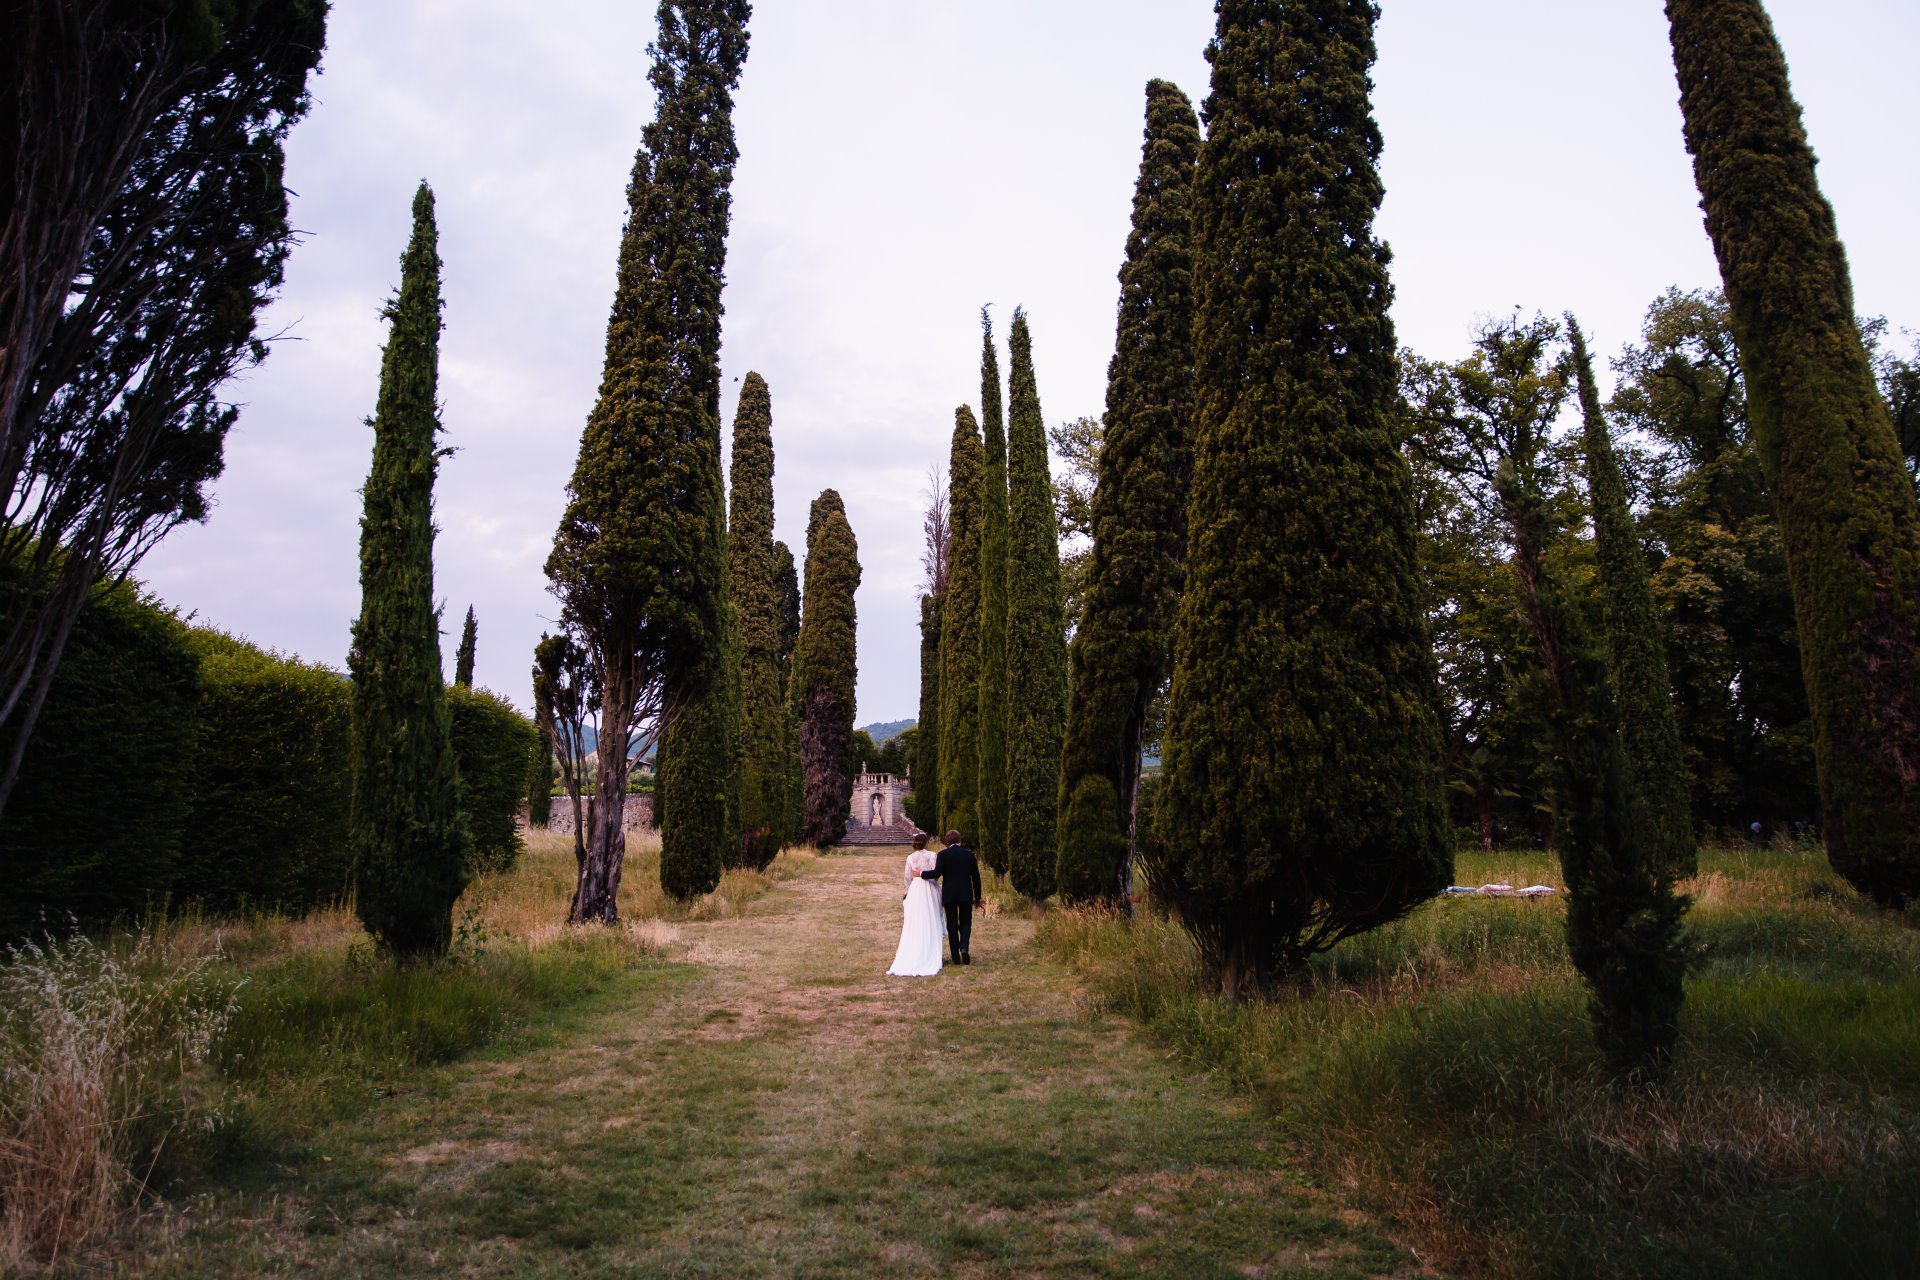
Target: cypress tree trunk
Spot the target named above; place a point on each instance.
(1036, 633)
(763, 693)
(992, 733)
(825, 670)
(640, 560)
(463, 657)
(1301, 800)
(960, 635)
(409, 846)
(1656, 763)
(926, 757)
(1623, 919)
(1124, 645)
(1824, 434)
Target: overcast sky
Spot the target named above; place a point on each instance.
(902, 164)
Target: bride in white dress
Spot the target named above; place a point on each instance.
(921, 922)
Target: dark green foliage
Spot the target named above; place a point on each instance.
(764, 738)
(540, 781)
(410, 849)
(94, 829)
(1656, 766)
(1301, 801)
(1123, 648)
(463, 657)
(1727, 606)
(271, 782)
(923, 804)
(1846, 505)
(960, 638)
(1036, 633)
(696, 788)
(1623, 919)
(146, 229)
(640, 559)
(825, 671)
(786, 582)
(491, 743)
(991, 731)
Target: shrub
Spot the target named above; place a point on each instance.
(93, 827)
(267, 826)
(491, 742)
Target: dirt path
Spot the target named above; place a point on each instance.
(779, 1107)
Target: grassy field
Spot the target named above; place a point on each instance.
(741, 1095)
(1442, 1072)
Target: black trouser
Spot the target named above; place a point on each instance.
(959, 929)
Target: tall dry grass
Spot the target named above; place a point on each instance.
(113, 1051)
(103, 1049)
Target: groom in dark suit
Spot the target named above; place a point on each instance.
(958, 872)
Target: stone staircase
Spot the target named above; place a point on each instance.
(900, 832)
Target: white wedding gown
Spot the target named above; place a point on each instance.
(922, 924)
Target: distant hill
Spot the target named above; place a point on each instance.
(881, 733)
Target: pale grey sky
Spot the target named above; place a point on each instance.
(900, 165)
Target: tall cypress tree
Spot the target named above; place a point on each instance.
(463, 657)
(992, 736)
(786, 587)
(640, 559)
(1824, 434)
(825, 670)
(1301, 799)
(763, 692)
(1124, 645)
(1656, 763)
(926, 743)
(409, 845)
(960, 635)
(1623, 919)
(1036, 633)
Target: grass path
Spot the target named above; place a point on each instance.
(773, 1105)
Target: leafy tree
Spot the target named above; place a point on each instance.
(825, 671)
(960, 635)
(1721, 581)
(992, 743)
(1846, 505)
(146, 227)
(1301, 797)
(1036, 633)
(490, 745)
(1656, 766)
(409, 844)
(1077, 445)
(640, 559)
(764, 740)
(924, 803)
(1123, 647)
(463, 658)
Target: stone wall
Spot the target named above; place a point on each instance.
(638, 815)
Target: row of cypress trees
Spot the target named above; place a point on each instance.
(1001, 629)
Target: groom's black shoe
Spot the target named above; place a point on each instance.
(966, 957)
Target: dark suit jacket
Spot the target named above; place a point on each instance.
(958, 872)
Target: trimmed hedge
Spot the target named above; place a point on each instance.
(93, 827)
(491, 743)
(267, 826)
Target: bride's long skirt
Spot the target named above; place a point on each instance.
(921, 928)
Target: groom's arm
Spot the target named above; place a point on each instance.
(978, 897)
